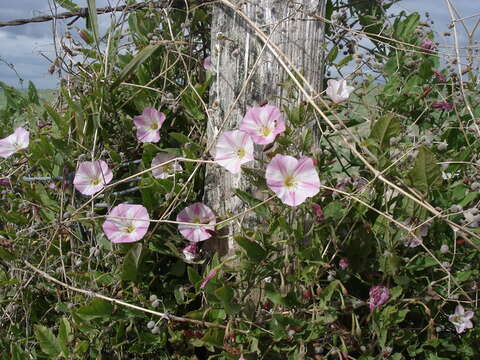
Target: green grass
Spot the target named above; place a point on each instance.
(47, 95)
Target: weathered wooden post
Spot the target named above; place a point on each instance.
(248, 74)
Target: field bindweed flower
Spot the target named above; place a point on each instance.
(148, 125)
(292, 180)
(440, 77)
(15, 142)
(378, 296)
(209, 277)
(427, 45)
(318, 212)
(190, 252)
(461, 319)
(263, 123)
(343, 263)
(197, 213)
(126, 223)
(167, 170)
(338, 90)
(5, 182)
(233, 149)
(207, 63)
(443, 105)
(92, 176)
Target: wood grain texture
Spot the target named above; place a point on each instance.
(235, 51)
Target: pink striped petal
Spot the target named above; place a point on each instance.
(233, 149)
(167, 170)
(92, 176)
(263, 124)
(126, 223)
(148, 125)
(292, 180)
(196, 213)
(15, 142)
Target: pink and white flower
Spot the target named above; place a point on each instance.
(378, 296)
(233, 149)
(126, 223)
(92, 176)
(15, 142)
(196, 213)
(207, 63)
(338, 90)
(263, 123)
(167, 170)
(190, 252)
(5, 182)
(427, 45)
(343, 263)
(292, 180)
(209, 277)
(461, 319)
(148, 125)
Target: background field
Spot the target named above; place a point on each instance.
(45, 95)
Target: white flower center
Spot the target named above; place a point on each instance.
(289, 182)
(96, 181)
(197, 220)
(265, 131)
(241, 153)
(129, 229)
(168, 168)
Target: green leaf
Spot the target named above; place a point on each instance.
(57, 118)
(137, 60)
(345, 61)
(277, 298)
(64, 335)
(180, 138)
(384, 129)
(261, 210)
(334, 210)
(225, 295)
(98, 308)
(254, 251)
(65, 331)
(6, 255)
(92, 20)
(193, 276)
(33, 94)
(67, 4)
(426, 173)
(191, 105)
(332, 55)
(131, 262)
(214, 337)
(47, 341)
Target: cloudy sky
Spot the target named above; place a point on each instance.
(29, 47)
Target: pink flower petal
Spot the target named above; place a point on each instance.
(148, 125)
(263, 124)
(292, 180)
(207, 63)
(196, 213)
(233, 149)
(92, 176)
(15, 142)
(338, 90)
(126, 223)
(167, 170)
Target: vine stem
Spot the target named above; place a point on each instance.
(132, 306)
